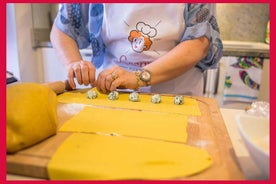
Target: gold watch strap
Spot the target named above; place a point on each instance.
(137, 74)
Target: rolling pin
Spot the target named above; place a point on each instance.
(59, 86)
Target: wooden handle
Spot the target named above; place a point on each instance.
(67, 86)
(58, 86)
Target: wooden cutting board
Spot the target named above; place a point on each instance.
(207, 131)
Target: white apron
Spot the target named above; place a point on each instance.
(137, 34)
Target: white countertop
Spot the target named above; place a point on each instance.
(248, 167)
(243, 48)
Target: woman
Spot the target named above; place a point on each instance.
(158, 48)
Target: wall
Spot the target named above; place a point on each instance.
(23, 55)
(12, 51)
(248, 23)
(41, 15)
(243, 21)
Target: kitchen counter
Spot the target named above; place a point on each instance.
(248, 167)
(242, 48)
(250, 170)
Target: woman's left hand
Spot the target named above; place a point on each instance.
(116, 77)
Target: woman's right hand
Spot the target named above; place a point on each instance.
(83, 71)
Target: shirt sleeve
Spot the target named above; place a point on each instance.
(72, 19)
(201, 21)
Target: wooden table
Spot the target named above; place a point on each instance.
(207, 131)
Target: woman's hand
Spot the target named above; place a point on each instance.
(83, 71)
(116, 77)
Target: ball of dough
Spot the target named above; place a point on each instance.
(92, 94)
(31, 115)
(156, 99)
(134, 97)
(113, 95)
(178, 100)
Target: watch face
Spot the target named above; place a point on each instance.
(145, 76)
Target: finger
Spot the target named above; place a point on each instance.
(101, 82)
(115, 84)
(108, 82)
(125, 80)
(114, 75)
(118, 83)
(84, 73)
(91, 73)
(70, 78)
(77, 72)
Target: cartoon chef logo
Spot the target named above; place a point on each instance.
(141, 37)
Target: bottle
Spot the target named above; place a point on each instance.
(267, 36)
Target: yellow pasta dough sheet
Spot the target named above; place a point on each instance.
(154, 125)
(93, 157)
(190, 106)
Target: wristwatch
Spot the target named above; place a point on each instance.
(143, 75)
